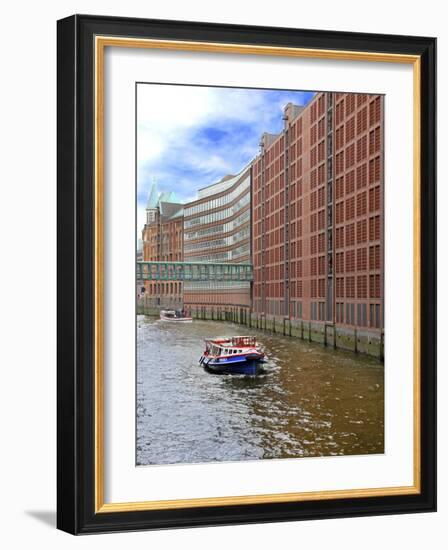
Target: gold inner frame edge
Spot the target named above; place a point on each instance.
(101, 42)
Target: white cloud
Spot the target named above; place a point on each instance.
(168, 114)
(173, 134)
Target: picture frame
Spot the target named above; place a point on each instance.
(82, 41)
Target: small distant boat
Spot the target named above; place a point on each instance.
(177, 316)
(234, 355)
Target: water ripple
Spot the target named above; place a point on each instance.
(307, 402)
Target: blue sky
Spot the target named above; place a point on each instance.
(189, 136)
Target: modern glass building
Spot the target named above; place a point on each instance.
(217, 229)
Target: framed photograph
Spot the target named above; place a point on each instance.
(246, 274)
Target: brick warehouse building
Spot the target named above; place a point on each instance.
(162, 238)
(318, 220)
(217, 228)
(307, 212)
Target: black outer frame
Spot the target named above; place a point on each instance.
(75, 309)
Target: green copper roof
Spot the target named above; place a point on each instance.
(168, 197)
(153, 198)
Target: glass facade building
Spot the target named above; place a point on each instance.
(217, 228)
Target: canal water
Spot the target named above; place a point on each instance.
(311, 401)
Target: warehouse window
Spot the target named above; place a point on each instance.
(321, 311)
(350, 314)
(313, 311)
(375, 320)
(362, 315)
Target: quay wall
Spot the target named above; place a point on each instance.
(369, 342)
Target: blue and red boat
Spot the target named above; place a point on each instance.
(234, 355)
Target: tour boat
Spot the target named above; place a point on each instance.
(234, 355)
(177, 316)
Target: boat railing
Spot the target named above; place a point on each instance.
(244, 341)
(233, 342)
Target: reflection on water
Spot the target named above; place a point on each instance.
(311, 401)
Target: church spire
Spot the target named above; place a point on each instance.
(152, 204)
(153, 197)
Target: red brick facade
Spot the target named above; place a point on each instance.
(307, 212)
(318, 213)
(163, 241)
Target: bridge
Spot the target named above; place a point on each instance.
(193, 271)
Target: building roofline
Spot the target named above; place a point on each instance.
(226, 178)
